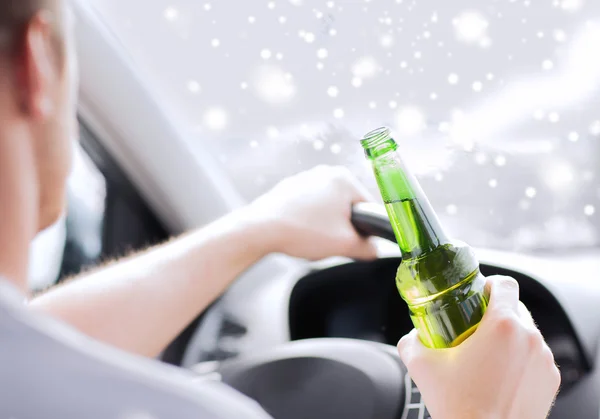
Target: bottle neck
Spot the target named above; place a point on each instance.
(416, 226)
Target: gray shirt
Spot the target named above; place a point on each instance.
(49, 370)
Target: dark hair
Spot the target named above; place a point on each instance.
(14, 14)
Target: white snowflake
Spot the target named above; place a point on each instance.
(357, 81)
(470, 26)
(493, 183)
(573, 136)
(322, 53)
(251, 19)
(318, 145)
(215, 119)
(433, 96)
(372, 105)
(265, 54)
(595, 128)
(335, 148)
(558, 175)
(387, 41)
(478, 86)
(530, 192)
(338, 113)
(453, 78)
(215, 43)
(193, 86)
(282, 19)
(547, 65)
(393, 104)
(481, 158)
(451, 209)
(207, 6)
(560, 35)
(309, 37)
(500, 161)
(589, 210)
(171, 14)
(272, 132)
(365, 67)
(571, 5)
(553, 117)
(333, 91)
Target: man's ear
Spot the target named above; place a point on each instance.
(36, 69)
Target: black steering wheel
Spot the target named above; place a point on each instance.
(328, 378)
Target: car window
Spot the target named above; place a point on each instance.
(494, 103)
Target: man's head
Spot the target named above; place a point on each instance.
(38, 83)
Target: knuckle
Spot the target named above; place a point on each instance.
(320, 169)
(507, 282)
(548, 357)
(402, 345)
(413, 362)
(506, 324)
(341, 172)
(556, 377)
(535, 342)
(348, 243)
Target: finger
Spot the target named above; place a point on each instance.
(363, 249)
(361, 193)
(358, 191)
(504, 295)
(525, 316)
(410, 346)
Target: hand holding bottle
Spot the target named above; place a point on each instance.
(505, 370)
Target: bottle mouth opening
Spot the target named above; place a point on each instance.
(376, 137)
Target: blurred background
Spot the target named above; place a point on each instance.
(495, 104)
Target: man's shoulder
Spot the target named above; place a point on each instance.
(51, 370)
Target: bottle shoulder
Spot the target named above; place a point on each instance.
(438, 270)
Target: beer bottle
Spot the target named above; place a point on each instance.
(439, 278)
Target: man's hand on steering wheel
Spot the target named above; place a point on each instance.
(309, 215)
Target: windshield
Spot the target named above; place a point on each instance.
(495, 107)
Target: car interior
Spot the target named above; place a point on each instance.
(188, 111)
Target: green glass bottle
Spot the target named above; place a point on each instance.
(438, 278)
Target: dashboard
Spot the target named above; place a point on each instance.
(284, 301)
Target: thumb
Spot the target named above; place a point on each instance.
(412, 350)
(504, 294)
